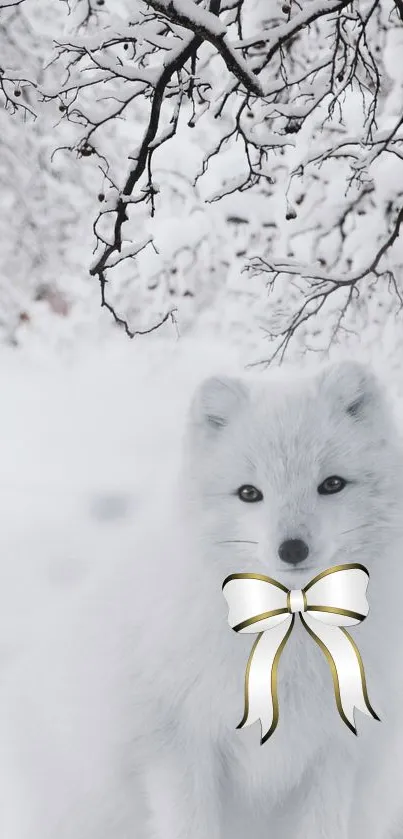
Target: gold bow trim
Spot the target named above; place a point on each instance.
(332, 600)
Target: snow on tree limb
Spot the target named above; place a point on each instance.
(298, 97)
(14, 87)
(175, 31)
(321, 285)
(209, 28)
(136, 171)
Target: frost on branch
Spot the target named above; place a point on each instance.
(294, 95)
(15, 85)
(217, 130)
(318, 286)
(43, 201)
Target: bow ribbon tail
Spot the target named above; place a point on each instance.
(261, 700)
(346, 667)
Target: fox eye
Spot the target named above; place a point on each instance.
(249, 493)
(331, 485)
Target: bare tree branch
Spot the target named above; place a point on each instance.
(287, 31)
(8, 4)
(322, 286)
(206, 25)
(399, 7)
(290, 79)
(141, 161)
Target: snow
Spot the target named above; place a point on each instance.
(81, 445)
(198, 16)
(124, 70)
(201, 254)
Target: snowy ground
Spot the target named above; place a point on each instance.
(80, 445)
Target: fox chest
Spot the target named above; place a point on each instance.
(308, 717)
(307, 721)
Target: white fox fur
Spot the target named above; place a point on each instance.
(121, 721)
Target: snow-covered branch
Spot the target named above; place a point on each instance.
(293, 108)
(320, 286)
(162, 57)
(15, 85)
(209, 28)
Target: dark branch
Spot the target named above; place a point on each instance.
(399, 7)
(322, 287)
(216, 35)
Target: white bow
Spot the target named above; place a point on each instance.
(332, 600)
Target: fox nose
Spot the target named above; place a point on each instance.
(293, 551)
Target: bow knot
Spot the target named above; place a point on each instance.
(296, 601)
(332, 600)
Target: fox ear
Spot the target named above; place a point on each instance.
(354, 386)
(217, 400)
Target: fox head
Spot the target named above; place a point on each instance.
(288, 477)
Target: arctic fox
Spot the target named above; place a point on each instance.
(135, 734)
